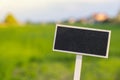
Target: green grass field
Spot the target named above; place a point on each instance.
(26, 54)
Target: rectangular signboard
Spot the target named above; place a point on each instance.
(81, 40)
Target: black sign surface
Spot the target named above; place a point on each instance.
(85, 41)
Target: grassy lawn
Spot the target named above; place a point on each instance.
(26, 54)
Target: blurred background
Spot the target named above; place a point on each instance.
(26, 39)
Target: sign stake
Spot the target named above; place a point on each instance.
(78, 66)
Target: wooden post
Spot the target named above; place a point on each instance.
(78, 66)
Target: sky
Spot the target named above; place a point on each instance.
(54, 10)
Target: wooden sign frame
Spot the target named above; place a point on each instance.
(82, 28)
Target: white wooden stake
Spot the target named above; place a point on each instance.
(78, 66)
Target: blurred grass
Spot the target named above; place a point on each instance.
(26, 54)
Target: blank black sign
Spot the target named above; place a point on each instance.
(84, 41)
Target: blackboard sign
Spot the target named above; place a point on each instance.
(80, 40)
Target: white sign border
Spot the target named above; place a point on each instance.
(84, 28)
